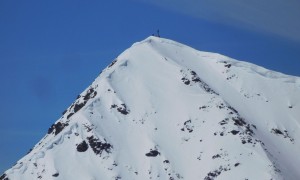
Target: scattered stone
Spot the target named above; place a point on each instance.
(188, 126)
(166, 161)
(82, 147)
(234, 132)
(236, 164)
(113, 106)
(152, 153)
(185, 81)
(228, 65)
(117, 178)
(202, 107)
(277, 131)
(55, 175)
(223, 122)
(216, 156)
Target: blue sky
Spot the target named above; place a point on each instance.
(50, 51)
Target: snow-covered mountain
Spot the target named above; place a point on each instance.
(163, 110)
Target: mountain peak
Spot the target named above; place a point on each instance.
(163, 110)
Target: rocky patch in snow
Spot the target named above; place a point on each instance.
(57, 128)
(283, 133)
(55, 175)
(122, 108)
(188, 126)
(152, 153)
(191, 78)
(82, 147)
(99, 146)
(215, 173)
(112, 63)
(81, 102)
(3, 177)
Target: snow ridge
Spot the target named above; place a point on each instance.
(163, 110)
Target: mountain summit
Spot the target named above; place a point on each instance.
(163, 110)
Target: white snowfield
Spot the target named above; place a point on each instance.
(163, 110)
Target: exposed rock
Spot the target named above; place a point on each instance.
(55, 175)
(57, 127)
(82, 147)
(99, 146)
(152, 153)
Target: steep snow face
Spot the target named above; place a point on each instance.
(163, 110)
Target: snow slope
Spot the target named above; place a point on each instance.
(163, 110)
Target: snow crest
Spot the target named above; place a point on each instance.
(163, 110)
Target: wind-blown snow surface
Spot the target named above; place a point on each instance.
(163, 110)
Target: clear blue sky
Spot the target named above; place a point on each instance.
(50, 51)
